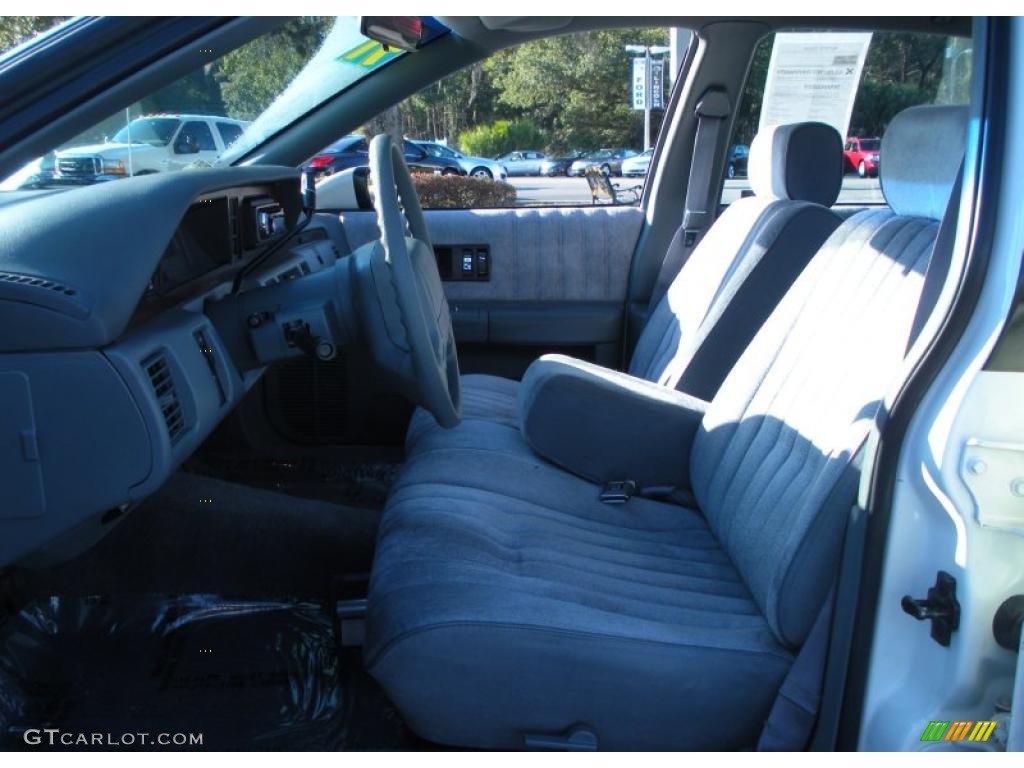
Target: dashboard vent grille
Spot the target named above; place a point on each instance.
(159, 373)
(36, 282)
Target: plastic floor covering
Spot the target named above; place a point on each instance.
(263, 676)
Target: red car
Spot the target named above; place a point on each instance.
(862, 155)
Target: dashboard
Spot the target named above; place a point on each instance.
(111, 369)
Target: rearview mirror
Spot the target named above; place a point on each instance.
(406, 33)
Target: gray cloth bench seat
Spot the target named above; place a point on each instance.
(507, 603)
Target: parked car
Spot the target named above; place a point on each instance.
(559, 166)
(352, 151)
(149, 144)
(481, 167)
(862, 155)
(525, 162)
(739, 154)
(638, 165)
(608, 160)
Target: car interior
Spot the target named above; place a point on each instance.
(298, 463)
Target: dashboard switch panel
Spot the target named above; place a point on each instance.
(464, 262)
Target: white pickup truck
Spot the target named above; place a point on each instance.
(149, 144)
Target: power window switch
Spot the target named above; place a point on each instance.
(483, 262)
(468, 267)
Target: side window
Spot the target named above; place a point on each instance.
(872, 76)
(198, 132)
(228, 133)
(555, 108)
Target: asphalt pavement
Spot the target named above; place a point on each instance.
(561, 190)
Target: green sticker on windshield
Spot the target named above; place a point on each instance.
(369, 55)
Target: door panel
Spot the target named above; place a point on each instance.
(556, 283)
(557, 280)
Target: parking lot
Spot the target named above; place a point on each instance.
(561, 190)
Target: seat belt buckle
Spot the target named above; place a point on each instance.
(618, 491)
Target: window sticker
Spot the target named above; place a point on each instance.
(814, 76)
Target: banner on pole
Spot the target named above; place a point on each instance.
(639, 84)
(657, 96)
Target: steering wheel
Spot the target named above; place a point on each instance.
(405, 310)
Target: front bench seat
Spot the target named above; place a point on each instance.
(507, 602)
(728, 286)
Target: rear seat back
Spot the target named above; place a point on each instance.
(746, 262)
(771, 465)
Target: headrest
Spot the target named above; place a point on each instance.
(799, 161)
(921, 154)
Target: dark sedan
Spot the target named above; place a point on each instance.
(353, 151)
(608, 160)
(558, 166)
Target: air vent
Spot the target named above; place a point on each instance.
(36, 282)
(159, 373)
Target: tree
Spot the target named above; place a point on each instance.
(448, 107)
(15, 30)
(197, 91)
(575, 86)
(389, 121)
(501, 137)
(901, 70)
(252, 76)
(749, 112)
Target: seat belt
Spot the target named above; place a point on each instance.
(792, 719)
(712, 111)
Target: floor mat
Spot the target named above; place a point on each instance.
(235, 675)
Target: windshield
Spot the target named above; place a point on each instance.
(265, 85)
(870, 145)
(155, 131)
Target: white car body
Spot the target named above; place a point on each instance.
(523, 163)
(638, 165)
(116, 159)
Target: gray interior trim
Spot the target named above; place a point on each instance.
(537, 254)
(103, 242)
(607, 426)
